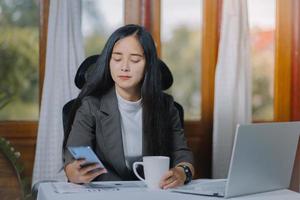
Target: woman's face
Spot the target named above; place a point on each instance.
(127, 64)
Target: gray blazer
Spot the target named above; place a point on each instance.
(97, 124)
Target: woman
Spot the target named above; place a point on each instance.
(123, 114)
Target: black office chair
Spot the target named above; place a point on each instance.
(167, 81)
(80, 79)
(88, 64)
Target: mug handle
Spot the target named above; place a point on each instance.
(135, 165)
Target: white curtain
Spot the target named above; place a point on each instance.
(64, 54)
(232, 104)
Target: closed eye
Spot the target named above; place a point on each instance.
(116, 59)
(135, 61)
(136, 58)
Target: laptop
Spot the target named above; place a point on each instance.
(262, 160)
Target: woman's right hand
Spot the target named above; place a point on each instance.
(78, 174)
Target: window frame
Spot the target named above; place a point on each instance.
(287, 71)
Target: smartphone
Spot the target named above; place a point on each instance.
(85, 152)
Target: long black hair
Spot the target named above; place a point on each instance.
(154, 102)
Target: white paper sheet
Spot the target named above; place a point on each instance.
(63, 187)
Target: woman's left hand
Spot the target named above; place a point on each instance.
(173, 178)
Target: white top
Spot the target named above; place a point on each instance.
(132, 131)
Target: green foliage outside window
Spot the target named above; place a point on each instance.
(19, 59)
(182, 54)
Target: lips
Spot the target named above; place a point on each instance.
(124, 77)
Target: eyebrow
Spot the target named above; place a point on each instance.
(132, 54)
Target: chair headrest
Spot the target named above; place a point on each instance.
(86, 65)
(167, 78)
(81, 75)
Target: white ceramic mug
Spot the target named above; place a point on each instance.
(154, 168)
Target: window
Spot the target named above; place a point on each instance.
(98, 22)
(262, 32)
(181, 23)
(19, 75)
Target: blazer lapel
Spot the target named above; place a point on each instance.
(111, 130)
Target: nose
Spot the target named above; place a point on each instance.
(125, 67)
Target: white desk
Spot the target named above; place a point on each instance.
(47, 192)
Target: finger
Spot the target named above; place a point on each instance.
(92, 175)
(100, 170)
(167, 175)
(79, 162)
(103, 171)
(86, 169)
(88, 177)
(167, 178)
(170, 180)
(172, 184)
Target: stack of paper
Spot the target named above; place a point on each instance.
(63, 187)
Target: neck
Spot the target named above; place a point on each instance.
(129, 95)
